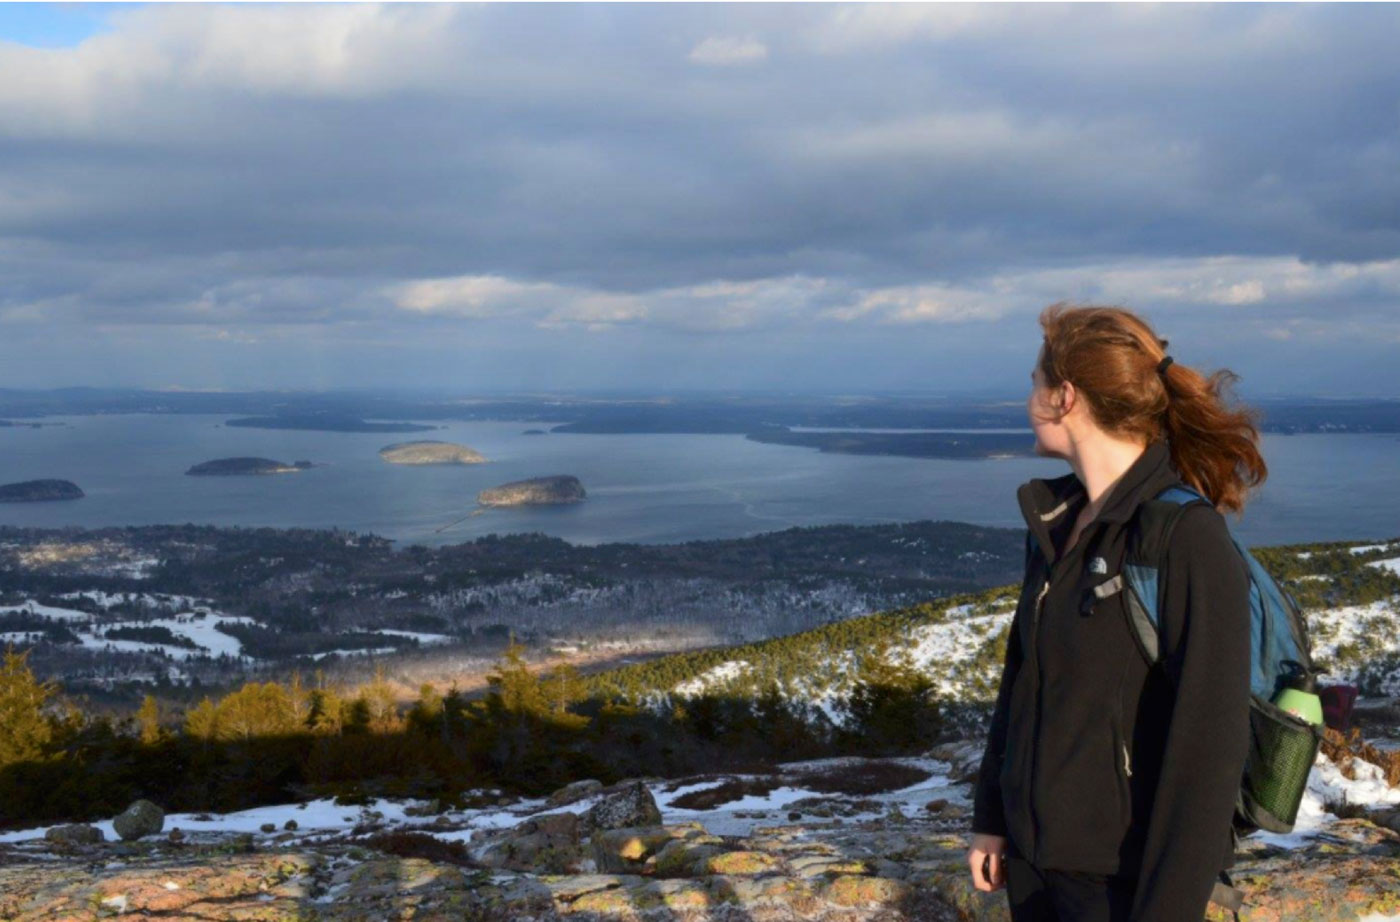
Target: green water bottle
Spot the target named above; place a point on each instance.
(1299, 698)
(1283, 753)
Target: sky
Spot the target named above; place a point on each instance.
(801, 197)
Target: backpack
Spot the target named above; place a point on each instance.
(1282, 747)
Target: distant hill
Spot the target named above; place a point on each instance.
(223, 467)
(35, 491)
(1349, 591)
(430, 451)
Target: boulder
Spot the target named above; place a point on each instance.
(574, 791)
(75, 834)
(548, 843)
(625, 850)
(142, 818)
(964, 758)
(632, 805)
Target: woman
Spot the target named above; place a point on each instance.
(1107, 789)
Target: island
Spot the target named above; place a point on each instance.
(324, 422)
(39, 491)
(533, 432)
(430, 451)
(226, 467)
(559, 488)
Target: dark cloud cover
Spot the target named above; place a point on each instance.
(682, 195)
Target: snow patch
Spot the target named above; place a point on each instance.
(424, 639)
(715, 675)
(1392, 564)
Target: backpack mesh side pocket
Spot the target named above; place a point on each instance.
(1282, 749)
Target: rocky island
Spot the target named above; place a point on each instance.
(38, 491)
(223, 467)
(559, 488)
(430, 451)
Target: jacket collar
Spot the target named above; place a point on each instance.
(1046, 501)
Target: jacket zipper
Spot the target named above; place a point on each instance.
(1040, 688)
(1127, 761)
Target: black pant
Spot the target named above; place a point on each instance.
(1045, 895)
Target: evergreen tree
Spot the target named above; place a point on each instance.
(562, 688)
(426, 713)
(256, 709)
(454, 715)
(514, 687)
(24, 728)
(298, 702)
(148, 718)
(892, 707)
(381, 703)
(326, 713)
(355, 715)
(202, 721)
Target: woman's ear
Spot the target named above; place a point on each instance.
(1065, 398)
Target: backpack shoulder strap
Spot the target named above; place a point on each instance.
(1143, 554)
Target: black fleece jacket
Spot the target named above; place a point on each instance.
(1094, 762)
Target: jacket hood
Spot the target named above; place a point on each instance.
(1044, 501)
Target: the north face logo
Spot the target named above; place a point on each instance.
(1098, 565)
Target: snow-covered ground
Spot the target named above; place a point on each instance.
(202, 628)
(1367, 548)
(311, 817)
(45, 611)
(1362, 632)
(321, 817)
(1327, 785)
(938, 649)
(424, 639)
(713, 678)
(1392, 564)
(740, 816)
(189, 617)
(365, 651)
(145, 599)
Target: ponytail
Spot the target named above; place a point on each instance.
(1112, 356)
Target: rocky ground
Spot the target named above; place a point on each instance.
(864, 849)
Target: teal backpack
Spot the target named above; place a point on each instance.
(1282, 747)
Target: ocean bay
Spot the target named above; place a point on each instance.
(646, 487)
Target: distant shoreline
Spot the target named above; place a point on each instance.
(324, 424)
(963, 446)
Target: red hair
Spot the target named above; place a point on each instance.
(1110, 354)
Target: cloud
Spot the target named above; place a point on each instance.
(470, 295)
(391, 172)
(711, 307)
(1279, 288)
(344, 50)
(861, 27)
(729, 50)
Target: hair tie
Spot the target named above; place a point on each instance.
(1162, 365)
